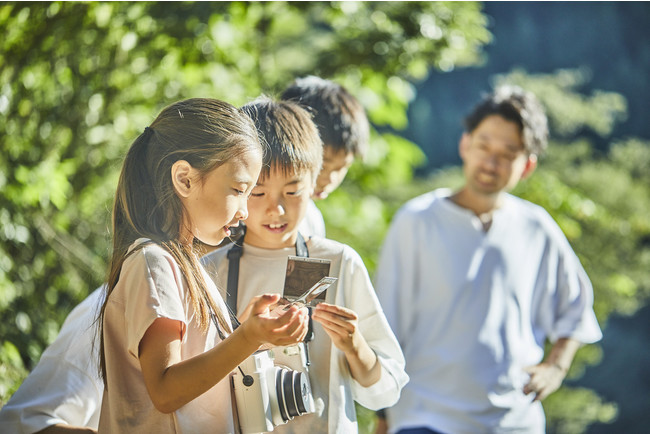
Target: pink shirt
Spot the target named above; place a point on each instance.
(152, 286)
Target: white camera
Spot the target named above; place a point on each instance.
(268, 395)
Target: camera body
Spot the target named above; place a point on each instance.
(268, 395)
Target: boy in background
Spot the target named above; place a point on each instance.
(354, 354)
(344, 129)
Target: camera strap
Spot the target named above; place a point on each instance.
(234, 256)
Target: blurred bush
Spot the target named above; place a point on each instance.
(79, 81)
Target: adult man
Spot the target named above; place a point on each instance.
(473, 282)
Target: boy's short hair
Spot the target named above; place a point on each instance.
(516, 105)
(339, 116)
(292, 137)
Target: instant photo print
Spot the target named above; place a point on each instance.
(303, 274)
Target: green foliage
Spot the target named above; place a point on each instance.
(568, 110)
(12, 370)
(573, 410)
(79, 81)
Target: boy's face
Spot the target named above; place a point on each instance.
(277, 205)
(494, 159)
(336, 163)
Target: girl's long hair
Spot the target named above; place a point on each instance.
(204, 132)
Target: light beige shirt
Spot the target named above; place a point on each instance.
(263, 271)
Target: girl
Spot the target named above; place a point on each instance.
(167, 344)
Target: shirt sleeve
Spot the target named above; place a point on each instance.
(64, 387)
(566, 310)
(374, 327)
(154, 288)
(575, 316)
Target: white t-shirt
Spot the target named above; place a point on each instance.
(263, 271)
(152, 286)
(64, 387)
(313, 223)
(471, 309)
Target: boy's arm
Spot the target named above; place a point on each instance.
(359, 296)
(342, 326)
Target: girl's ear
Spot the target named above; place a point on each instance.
(182, 177)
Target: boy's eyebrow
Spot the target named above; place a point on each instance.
(294, 181)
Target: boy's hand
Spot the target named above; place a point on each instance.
(262, 326)
(341, 324)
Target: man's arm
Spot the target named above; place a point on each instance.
(547, 377)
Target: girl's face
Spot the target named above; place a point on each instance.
(277, 206)
(220, 200)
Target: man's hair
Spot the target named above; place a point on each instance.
(516, 105)
(293, 141)
(339, 116)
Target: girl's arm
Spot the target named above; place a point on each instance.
(172, 382)
(342, 326)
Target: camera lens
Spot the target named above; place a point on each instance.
(301, 392)
(281, 395)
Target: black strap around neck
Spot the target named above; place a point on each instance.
(234, 255)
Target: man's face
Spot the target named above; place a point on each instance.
(494, 157)
(336, 163)
(277, 206)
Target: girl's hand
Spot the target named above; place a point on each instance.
(274, 309)
(247, 311)
(262, 326)
(341, 324)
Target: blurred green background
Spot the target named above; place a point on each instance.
(79, 81)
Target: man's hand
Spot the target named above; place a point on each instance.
(545, 379)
